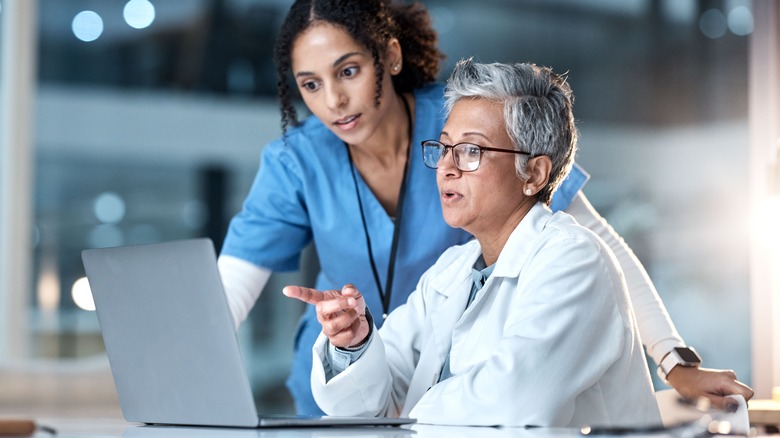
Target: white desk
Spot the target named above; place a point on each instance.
(114, 428)
(109, 426)
(92, 428)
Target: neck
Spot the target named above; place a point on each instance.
(493, 242)
(391, 140)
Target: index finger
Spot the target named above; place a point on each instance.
(305, 294)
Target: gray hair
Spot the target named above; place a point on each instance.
(537, 111)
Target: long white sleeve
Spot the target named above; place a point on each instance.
(243, 282)
(658, 333)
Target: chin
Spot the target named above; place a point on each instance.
(453, 221)
(355, 136)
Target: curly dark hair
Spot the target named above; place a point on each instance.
(371, 23)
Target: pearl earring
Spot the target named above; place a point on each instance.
(528, 192)
(395, 69)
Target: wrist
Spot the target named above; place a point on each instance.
(359, 344)
(678, 357)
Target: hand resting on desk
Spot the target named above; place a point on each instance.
(715, 385)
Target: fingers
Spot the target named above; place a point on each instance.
(729, 387)
(727, 404)
(344, 326)
(335, 305)
(305, 294)
(341, 313)
(330, 302)
(736, 387)
(349, 290)
(340, 324)
(748, 392)
(693, 382)
(343, 318)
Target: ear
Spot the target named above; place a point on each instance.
(394, 57)
(538, 170)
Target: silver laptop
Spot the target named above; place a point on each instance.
(170, 340)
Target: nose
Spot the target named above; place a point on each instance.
(446, 165)
(334, 96)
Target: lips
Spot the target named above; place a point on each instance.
(448, 195)
(347, 122)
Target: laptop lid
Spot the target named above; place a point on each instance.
(171, 343)
(169, 334)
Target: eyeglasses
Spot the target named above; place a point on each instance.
(465, 155)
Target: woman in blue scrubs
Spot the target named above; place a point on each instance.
(351, 179)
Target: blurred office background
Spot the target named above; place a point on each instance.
(148, 117)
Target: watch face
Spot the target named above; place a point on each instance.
(687, 355)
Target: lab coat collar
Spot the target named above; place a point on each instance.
(455, 276)
(523, 239)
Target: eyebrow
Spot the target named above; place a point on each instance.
(470, 133)
(338, 61)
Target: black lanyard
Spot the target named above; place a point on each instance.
(386, 292)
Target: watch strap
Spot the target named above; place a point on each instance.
(674, 358)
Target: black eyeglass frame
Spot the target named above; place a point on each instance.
(454, 160)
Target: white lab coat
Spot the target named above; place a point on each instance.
(550, 340)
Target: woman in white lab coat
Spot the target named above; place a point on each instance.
(528, 324)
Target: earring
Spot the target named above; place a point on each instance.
(396, 68)
(528, 192)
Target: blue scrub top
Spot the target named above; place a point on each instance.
(304, 192)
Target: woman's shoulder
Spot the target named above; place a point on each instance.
(570, 186)
(309, 137)
(430, 93)
(429, 104)
(563, 226)
(430, 90)
(305, 150)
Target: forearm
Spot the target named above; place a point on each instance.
(656, 329)
(243, 282)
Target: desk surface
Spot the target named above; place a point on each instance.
(96, 424)
(110, 428)
(90, 428)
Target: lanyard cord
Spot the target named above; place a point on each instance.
(386, 292)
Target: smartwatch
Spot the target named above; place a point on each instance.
(682, 356)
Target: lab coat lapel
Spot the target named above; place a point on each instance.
(522, 242)
(453, 285)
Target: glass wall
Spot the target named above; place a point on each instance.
(151, 114)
